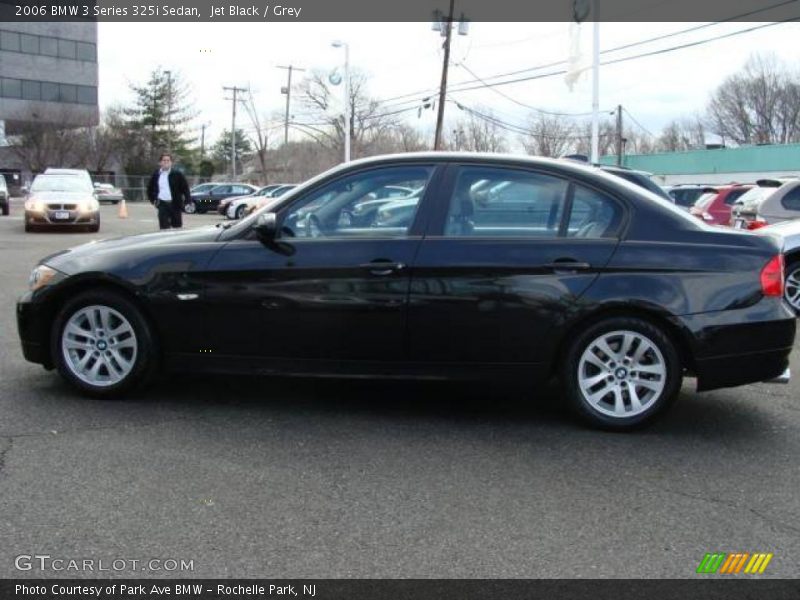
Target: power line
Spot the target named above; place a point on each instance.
(517, 102)
(627, 58)
(610, 50)
(642, 127)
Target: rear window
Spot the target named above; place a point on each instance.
(734, 195)
(686, 197)
(751, 199)
(705, 201)
(791, 201)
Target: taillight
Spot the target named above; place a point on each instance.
(772, 277)
(756, 223)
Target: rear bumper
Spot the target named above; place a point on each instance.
(737, 347)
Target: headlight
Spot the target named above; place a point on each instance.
(34, 206)
(42, 276)
(89, 206)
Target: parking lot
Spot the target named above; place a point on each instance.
(282, 477)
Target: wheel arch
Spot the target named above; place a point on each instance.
(87, 283)
(658, 318)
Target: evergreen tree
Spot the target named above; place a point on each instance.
(221, 151)
(158, 122)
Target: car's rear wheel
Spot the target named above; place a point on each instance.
(791, 288)
(190, 208)
(102, 344)
(621, 373)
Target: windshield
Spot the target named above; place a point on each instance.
(60, 183)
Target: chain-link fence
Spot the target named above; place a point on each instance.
(134, 187)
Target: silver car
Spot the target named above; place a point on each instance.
(61, 201)
(782, 205)
(789, 231)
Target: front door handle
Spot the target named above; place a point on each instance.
(383, 267)
(567, 266)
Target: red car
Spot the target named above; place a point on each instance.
(714, 207)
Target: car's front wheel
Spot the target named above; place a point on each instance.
(791, 288)
(190, 208)
(241, 210)
(102, 344)
(621, 372)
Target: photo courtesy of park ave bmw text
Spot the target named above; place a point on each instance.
(432, 299)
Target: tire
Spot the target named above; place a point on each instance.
(190, 208)
(124, 368)
(240, 211)
(791, 289)
(6, 209)
(29, 228)
(603, 389)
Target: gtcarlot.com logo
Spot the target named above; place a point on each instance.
(732, 564)
(46, 562)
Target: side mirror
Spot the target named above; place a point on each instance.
(266, 228)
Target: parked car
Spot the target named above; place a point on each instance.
(244, 206)
(61, 201)
(265, 191)
(581, 275)
(201, 188)
(715, 207)
(5, 200)
(782, 205)
(789, 232)
(744, 212)
(210, 199)
(76, 172)
(106, 192)
(685, 195)
(641, 178)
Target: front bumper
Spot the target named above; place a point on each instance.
(61, 217)
(33, 326)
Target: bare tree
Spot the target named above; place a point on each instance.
(681, 135)
(259, 136)
(759, 105)
(323, 117)
(39, 144)
(478, 133)
(549, 135)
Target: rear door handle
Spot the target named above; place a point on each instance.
(383, 267)
(567, 266)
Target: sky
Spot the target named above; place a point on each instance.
(402, 58)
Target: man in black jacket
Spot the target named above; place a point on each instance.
(168, 191)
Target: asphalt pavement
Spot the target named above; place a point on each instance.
(291, 478)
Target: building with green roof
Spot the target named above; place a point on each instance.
(745, 164)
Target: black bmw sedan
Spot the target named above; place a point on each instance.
(504, 267)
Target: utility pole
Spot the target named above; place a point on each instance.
(169, 110)
(447, 23)
(203, 140)
(619, 135)
(235, 91)
(288, 91)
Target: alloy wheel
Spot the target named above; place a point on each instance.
(622, 373)
(791, 288)
(99, 346)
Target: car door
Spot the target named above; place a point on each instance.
(504, 263)
(325, 289)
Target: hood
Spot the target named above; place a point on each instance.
(60, 197)
(127, 251)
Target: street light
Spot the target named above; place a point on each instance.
(340, 44)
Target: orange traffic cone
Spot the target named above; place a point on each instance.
(123, 209)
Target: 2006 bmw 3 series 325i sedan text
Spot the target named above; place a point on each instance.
(486, 265)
